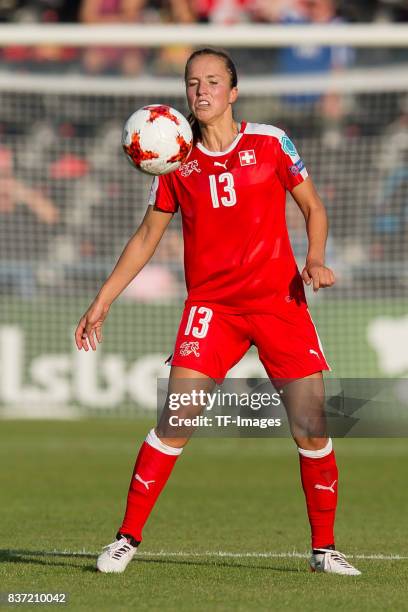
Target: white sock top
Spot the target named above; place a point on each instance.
(153, 440)
(317, 454)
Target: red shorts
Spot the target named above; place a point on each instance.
(212, 342)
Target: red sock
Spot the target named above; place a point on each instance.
(319, 475)
(153, 467)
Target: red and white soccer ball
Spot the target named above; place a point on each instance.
(157, 139)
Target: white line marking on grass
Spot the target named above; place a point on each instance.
(219, 554)
(262, 555)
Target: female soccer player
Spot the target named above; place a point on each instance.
(243, 288)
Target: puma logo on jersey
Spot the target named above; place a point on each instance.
(189, 167)
(146, 483)
(221, 164)
(326, 488)
(189, 347)
(313, 352)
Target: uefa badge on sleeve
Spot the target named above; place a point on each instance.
(297, 168)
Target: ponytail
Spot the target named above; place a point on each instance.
(195, 127)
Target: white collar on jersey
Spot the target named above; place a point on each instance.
(232, 146)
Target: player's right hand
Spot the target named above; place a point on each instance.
(89, 329)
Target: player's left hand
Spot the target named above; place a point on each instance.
(318, 275)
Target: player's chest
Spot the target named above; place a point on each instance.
(242, 179)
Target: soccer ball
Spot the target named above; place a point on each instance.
(157, 139)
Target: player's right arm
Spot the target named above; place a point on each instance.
(134, 257)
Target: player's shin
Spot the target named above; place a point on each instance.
(153, 467)
(319, 476)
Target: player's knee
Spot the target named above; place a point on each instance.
(311, 443)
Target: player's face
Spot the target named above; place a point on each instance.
(208, 88)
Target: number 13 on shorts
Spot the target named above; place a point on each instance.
(202, 322)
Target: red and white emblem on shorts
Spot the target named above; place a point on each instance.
(189, 347)
(247, 158)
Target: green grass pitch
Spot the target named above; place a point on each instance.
(63, 489)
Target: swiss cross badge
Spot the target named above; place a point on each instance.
(247, 158)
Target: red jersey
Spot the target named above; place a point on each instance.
(237, 253)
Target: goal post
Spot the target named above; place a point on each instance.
(247, 35)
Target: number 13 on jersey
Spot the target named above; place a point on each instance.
(222, 189)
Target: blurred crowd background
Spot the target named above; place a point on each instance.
(170, 60)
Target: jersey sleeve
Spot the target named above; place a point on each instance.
(162, 194)
(291, 168)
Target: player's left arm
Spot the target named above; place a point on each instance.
(314, 272)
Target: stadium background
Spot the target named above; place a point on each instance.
(230, 531)
(70, 200)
